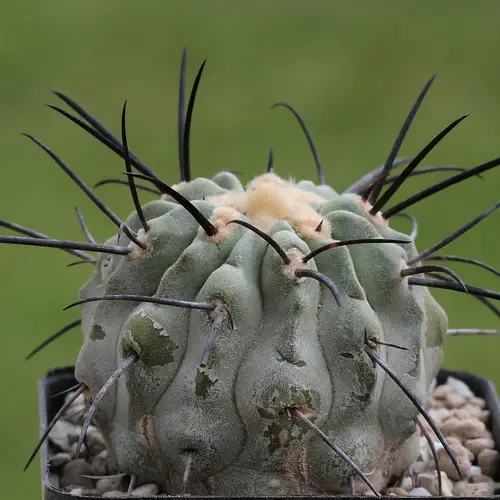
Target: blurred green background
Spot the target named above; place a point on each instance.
(352, 69)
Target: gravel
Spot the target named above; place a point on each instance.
(460, 415)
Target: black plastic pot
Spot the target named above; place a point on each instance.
(62, 378)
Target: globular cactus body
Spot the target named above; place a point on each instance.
(281, 342)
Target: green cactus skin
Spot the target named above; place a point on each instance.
(281, 342)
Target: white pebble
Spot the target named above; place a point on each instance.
(424, 449)
(472, 457)
(60, 459)
(407, 483)
(482, 479)
(470, 428)
(477, 445)
(146, 490)
(459, 387)
(461, 454)
(83, 450)
(441, 392)
(458, 488)
(463, 489)
(60, 433)
(461, 413)
(488, 460)
(79, 400)
(449, 427)
(474, 471)
(114, 494)
(109, 484)
(430, 481)
(454, 401)
(73, 472)
(473, 411)
(479, 402)
(419, 492)
(74, 414)
(484, 416)
(396, 492)
(453, 440)
(95, 442)
(418, 467)
(435, 403)
(79, 491)
(100, 465)
(440, 414)
(74, 433)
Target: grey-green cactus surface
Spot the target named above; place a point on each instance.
(219, 384)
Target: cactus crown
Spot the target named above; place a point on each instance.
(277, 338)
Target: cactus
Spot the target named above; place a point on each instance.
(277, 338)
